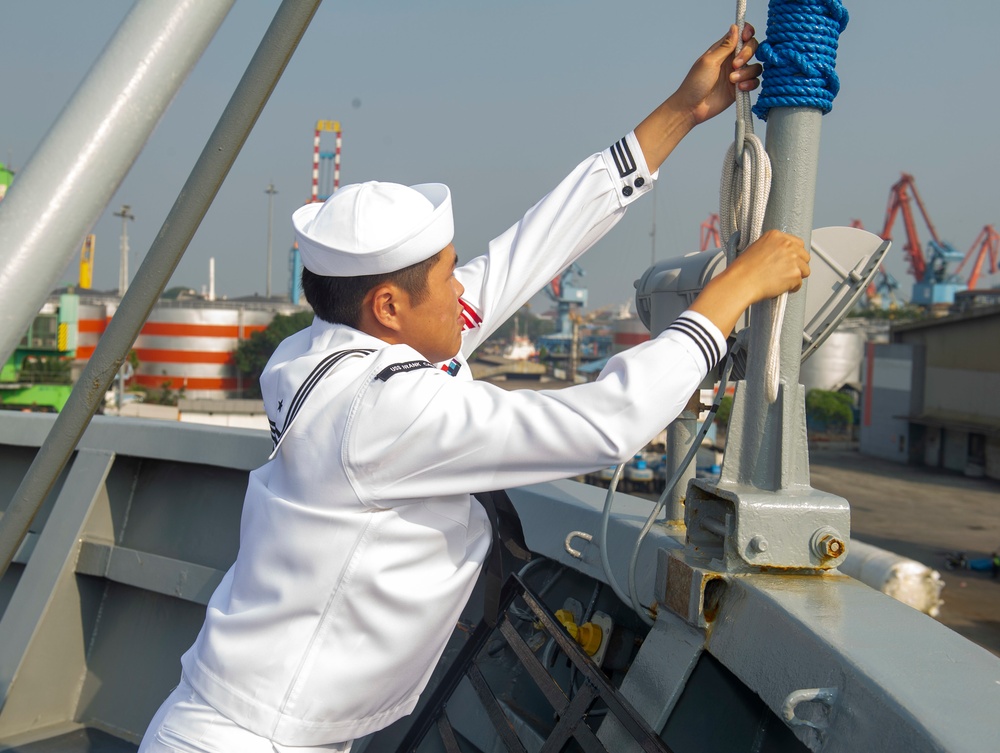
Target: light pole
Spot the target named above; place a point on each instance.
(126, 215)
(270, 191)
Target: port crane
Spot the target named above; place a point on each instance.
(987, 243)
(567, 296)
(710, 233)
(934, 284)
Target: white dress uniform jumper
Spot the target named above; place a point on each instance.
(360, 543)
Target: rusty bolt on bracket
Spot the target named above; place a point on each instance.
(828, 544)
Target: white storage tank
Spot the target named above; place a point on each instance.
(837, 362)
(185, 344)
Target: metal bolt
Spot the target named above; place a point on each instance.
(758, 543)
(833, 547)
(828, 544)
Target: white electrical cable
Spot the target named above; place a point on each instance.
(602, 545)
(671, 483)
(602, 542)
(743, 193)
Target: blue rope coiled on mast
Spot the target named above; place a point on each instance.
(800, 55)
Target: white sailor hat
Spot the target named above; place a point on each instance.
(373, 228)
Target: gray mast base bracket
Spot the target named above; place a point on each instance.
(688, 586)
(740, 529)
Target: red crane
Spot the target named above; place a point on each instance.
(934, 283)
(899, 203)
(710, 232)
(986, 243)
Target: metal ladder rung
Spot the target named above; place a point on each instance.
(495, 712)
(571, 713)
(572, 724)
(447, 734)
(554, 694)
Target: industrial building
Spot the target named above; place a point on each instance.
(930, 393)
(185, 346)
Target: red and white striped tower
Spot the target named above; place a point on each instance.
(328, 126)
(336, 159)
(315, 181)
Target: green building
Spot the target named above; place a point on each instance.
(38, 375)
(6, 178)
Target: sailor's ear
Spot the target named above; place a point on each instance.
(385, 303)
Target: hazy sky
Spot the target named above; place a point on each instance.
(500, 100)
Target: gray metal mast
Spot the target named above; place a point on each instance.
(253, 91)
(769, 449)
(763, 514)
(79, 165)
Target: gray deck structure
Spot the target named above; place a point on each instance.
(110, 587)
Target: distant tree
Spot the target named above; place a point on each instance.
(252, 355)
(167, 396)
(829, 411)
(724, 412)
(179, 293)
(903, 313)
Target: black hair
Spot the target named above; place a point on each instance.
(338, 300)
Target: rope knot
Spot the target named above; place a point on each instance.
(789, 66)
(800, 55)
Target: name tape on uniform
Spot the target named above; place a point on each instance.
(400, 368)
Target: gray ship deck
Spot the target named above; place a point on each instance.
(111, 585)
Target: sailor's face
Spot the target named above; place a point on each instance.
(435, 330)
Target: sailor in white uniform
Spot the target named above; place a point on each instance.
(359, 543)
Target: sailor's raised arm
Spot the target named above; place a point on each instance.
(585, 205)
(551, 235)
(708, 89)
(777, 262)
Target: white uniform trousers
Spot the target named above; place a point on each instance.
(185, 723)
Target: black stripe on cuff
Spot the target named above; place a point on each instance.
(708, 336)
(704, 333)
(700, 336)
(623, 158)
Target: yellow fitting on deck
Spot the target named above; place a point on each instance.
(588, 635)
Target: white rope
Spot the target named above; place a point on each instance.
(745, 186)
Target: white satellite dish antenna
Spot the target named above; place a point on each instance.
(843, 263)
